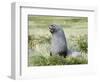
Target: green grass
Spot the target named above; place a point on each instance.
(40, 60)
(39, 37)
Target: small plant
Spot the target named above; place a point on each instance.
(82, 43)
(56, 60)
(38, 61)
(34, 40)
(76, 60)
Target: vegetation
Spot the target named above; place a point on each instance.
(55, 60)
(39, 37)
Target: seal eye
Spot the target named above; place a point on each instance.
(52, 25)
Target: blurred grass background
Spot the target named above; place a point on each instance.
(76, 31)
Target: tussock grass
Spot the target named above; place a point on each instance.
(56, 60)
(39, 37)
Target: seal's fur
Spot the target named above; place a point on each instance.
(58, 41)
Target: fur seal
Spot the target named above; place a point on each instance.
(58, 41)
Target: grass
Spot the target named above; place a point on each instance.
(39, 37)
(40, 60)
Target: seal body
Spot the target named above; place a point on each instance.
(58, 41)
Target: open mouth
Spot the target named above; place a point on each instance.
(51, 29)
